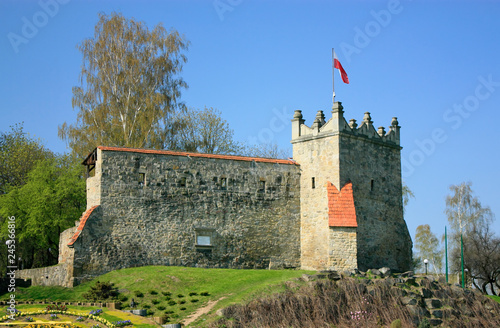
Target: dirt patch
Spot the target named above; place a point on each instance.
(174, 278)
(201, 311)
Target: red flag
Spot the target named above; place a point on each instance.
(338, 65)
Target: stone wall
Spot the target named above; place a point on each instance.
(343, 248)
(162, 208)
(57, 275)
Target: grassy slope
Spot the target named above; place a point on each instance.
(235, 285)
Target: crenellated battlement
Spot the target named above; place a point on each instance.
(338, 124)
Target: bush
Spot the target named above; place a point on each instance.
(151, 312)
(396, 324)
(180, 295)
(155, 301)
(181, 301)
(205, 294)
(172, 302)
(166, 293)
(123, 298)
(146, 306)
(168, 298)
(138, 293)
(161, 307)
(169, 312)
(193, 294)
(182, 308)
(194, 300)
(101, 291)
(153, 292)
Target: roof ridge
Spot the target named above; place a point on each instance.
(202, 155)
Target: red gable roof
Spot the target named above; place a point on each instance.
(83, 220)
(341, 210)
(215, 156)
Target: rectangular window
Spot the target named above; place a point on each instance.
(204, 240)
(182, 182)
(313, 183)
(223, 183)
(371, 185)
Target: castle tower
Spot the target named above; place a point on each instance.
(350, 193)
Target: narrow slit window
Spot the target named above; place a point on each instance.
(141, 178)
(313, 183)
(223, 183)
(182, 182)
(371, 185)
(262, 186)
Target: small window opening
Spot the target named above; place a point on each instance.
(182, 182)
(371, 185)
(142, 179)
(223, 183)
(313, 183)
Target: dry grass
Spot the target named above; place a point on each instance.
(354, 303)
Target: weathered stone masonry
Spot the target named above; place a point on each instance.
(337, 205)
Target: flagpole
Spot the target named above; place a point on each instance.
(333, 78)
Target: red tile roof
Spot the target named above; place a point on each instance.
(215, 156)
(341, 210)
(83, 220)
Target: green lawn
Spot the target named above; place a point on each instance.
(155, 281)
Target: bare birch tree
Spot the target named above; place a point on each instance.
(129, 86)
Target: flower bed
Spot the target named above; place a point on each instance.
(53, 314)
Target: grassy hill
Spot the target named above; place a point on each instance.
(176, 291)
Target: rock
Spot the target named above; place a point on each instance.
(418, 311)
(334, 275)
(433, 303)
(411, 281)
(407, 300)
(374, 272)
(406, 274)
(426, 293)
(437, 314)
(385, 272)
(435, 322)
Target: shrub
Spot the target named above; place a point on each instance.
(182, 308)
(169, 312)
(181, 301)
(53, 307)
(161, 307)
(146, 306)
(138, 293)
(180, 295)
(396, 324)
(153, 292)
(151, 312)
(123, 298)
(155, 301)
(166, 293)
(168, 298)
(205, 294)
(193, 294)
(172, 302)
(101, 291)
(194, 300)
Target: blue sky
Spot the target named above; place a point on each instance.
(433, 64)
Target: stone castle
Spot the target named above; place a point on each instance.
(336, 206)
